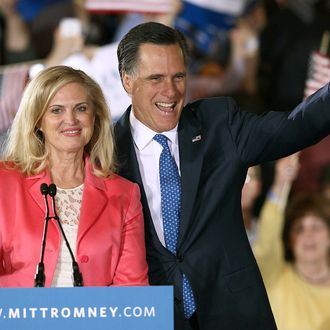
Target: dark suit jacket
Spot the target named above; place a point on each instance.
(217, 144)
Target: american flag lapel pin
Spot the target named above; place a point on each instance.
(196, 138)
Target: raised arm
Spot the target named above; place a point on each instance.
(268, 246)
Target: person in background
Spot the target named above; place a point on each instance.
(24, 32)
(293, 253)
(62, 135)
(293, 31)
(16, 34)
(191, 163)
(237, 71)
(285, 172)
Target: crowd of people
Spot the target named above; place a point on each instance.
(163, 179)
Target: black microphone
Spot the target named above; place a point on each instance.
(77, 275)
(40, 278)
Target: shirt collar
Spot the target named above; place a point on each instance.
(143, 135)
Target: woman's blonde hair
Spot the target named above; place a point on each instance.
(25, 146)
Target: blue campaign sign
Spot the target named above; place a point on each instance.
(115, 308)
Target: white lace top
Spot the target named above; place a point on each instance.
(68, 203)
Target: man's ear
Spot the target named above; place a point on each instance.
(127, 83)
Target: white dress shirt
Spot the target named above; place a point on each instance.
(148, 152)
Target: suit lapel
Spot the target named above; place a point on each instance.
(129, 168)
(34, 189)
(128, 164)
(93, 202)
(191, 159)
(35, 193)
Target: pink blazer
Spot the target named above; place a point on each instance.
(110, 242)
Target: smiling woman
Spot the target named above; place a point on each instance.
(62, 136)
(296, 270)
(67, 127)
(51, 97)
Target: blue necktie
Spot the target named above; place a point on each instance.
(170, 188)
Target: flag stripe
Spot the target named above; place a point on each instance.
(155, 6)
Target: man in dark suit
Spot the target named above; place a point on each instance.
(213, 144)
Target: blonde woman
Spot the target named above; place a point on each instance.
(62, 135)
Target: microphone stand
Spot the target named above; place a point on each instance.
(40, 278)
(77, 275)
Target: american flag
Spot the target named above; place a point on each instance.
(143, 6)
(13, 80)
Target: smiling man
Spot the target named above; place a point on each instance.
(158, 86)
(190, 162)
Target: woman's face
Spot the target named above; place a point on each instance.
(68, 123)
(310, 239)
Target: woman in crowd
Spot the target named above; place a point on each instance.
(293, 253)
(62, 135)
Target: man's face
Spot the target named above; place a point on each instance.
(158, 86)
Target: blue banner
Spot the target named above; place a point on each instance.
(115, 308)
(207, 22)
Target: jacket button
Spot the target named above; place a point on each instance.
(179, 257)
(84, 259)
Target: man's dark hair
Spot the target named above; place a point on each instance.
(150, 32)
